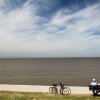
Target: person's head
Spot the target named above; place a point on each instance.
(93, 80)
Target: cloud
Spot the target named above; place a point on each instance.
(24, 33)
(1, 2)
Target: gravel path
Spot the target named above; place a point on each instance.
(41, 88)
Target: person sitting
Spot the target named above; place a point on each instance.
(94, 87)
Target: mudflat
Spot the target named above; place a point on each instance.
(45, 71)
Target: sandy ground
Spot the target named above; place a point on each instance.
(40, 88)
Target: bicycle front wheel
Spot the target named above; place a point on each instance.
(67, 90)
(64, 91)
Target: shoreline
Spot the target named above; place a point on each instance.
(41, 88)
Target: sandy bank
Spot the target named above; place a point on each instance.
(40, 88)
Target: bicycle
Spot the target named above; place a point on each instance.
(62, 91)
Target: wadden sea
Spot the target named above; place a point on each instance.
(45, 71)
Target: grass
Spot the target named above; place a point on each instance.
(43, 96)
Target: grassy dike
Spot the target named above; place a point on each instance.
(43, 96)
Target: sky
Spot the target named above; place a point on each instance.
(49, 28)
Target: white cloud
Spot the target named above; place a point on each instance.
(2, 2)
(23, 33)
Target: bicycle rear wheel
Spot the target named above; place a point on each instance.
(53, 90)
(50, 89)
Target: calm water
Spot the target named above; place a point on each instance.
(72, 71)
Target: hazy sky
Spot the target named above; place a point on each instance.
(49, 28)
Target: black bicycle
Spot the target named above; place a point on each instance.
(62, 91)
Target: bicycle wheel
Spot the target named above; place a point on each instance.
(64, 91)
(50, 89)
(68, 89)
(54, 90)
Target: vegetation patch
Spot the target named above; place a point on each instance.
(43, 96)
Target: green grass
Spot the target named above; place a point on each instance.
(43, 96)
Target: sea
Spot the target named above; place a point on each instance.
(46, 71)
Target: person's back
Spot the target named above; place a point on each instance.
(93, 83)
(93, 86)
